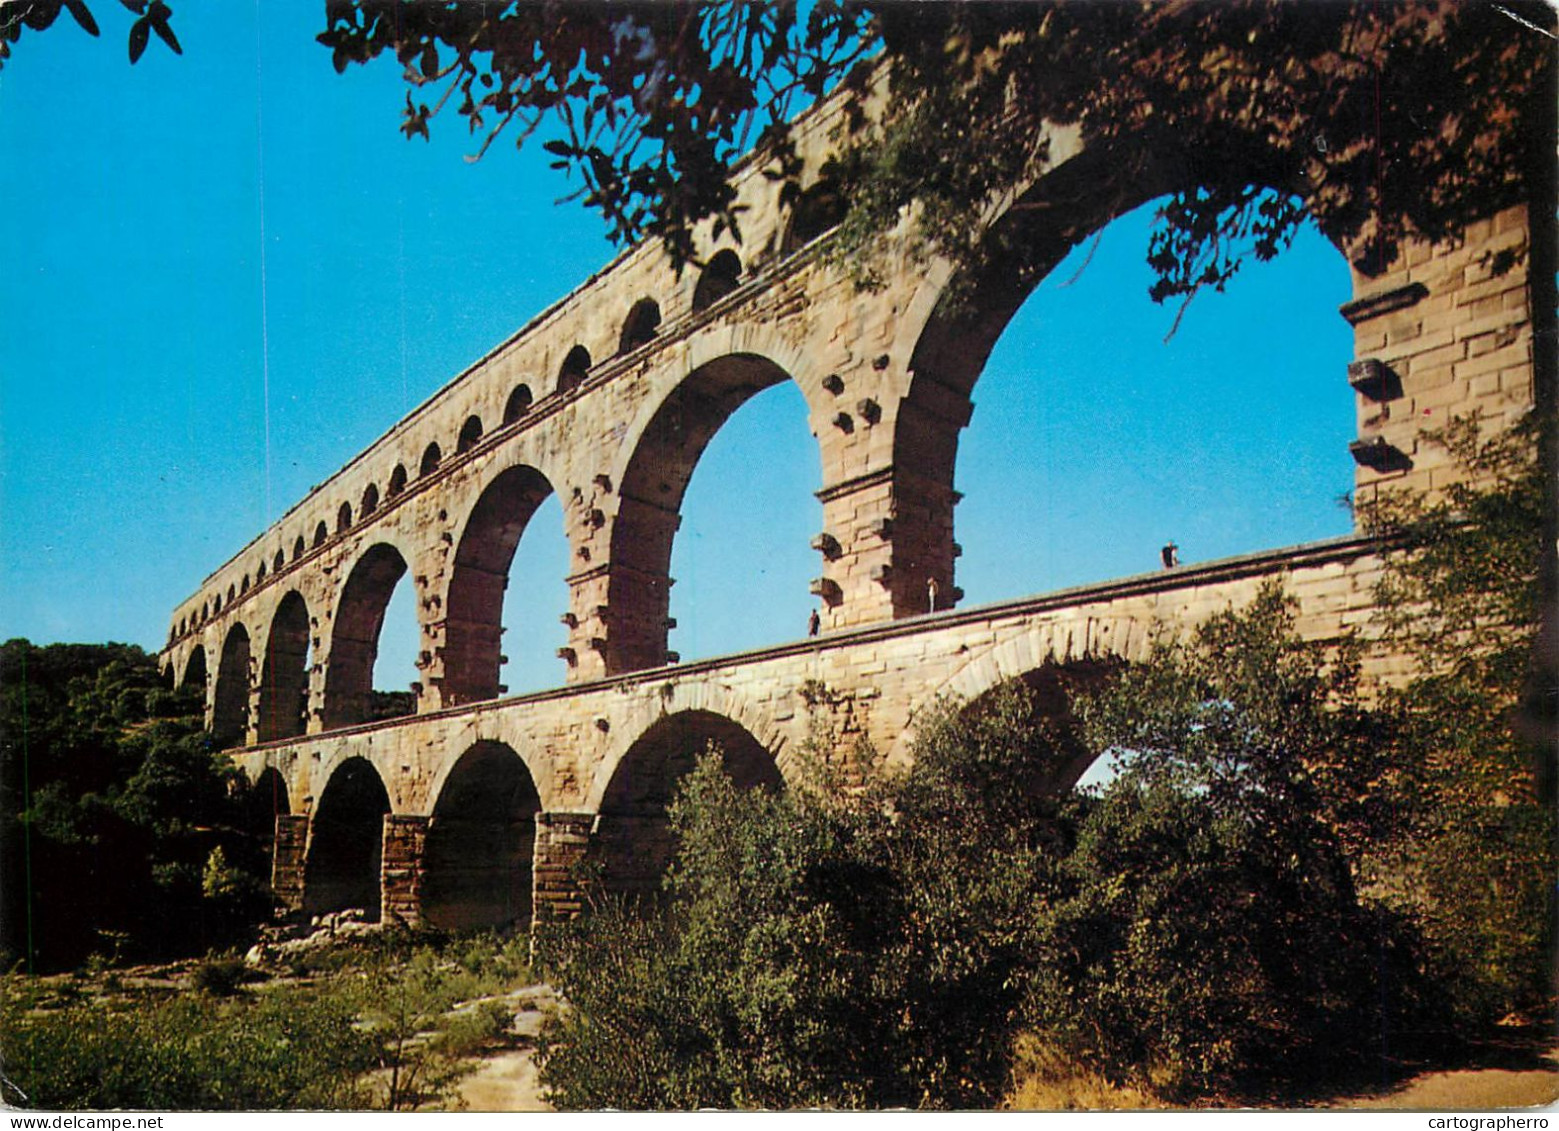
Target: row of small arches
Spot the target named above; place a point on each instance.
(477, 856)
(719, 278)
(478, 862)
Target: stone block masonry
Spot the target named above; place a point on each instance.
(282, 636)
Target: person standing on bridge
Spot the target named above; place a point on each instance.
(1170, 554)
(814, 623)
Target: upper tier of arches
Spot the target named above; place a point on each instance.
(887, 378)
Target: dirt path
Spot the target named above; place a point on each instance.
(507, 1082)
(505, 1079)
(1483, 1089)
(504, 1082)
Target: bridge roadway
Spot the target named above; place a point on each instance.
(477, 815)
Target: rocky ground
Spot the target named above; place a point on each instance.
(504, 1077)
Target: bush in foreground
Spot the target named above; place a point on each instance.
(372, 1027)
(1192, 929)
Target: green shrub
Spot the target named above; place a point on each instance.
(1466, 598)
(1208, 936)
(289, 1049)
(1193, 928)
(220, 976)
(374, 1031)
(749, 990)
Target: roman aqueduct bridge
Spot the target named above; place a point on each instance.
(473, 809)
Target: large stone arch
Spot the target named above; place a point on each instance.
(693, 697)
(345, 846)
(633, 844)
(284, 676)
(711, 343)
(230, 700)
(354, 632)
(478, 855)
(954, 319)
(194, 674)
(1065, 641)
(659, 457)
(264, 801)
(473, 611)
(266, 798)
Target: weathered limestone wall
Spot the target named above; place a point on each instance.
(824, 697)
(1446, 331)
(613, 421)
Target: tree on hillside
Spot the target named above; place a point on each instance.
(1374, 120)
(113, 805)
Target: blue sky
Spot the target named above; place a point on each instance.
(226, 273)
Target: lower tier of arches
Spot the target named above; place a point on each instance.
(488, 815)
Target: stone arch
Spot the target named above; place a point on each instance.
(518, 404)
(663, 452)
(230, 707)
(692, 697)
(431, 458)
(261, 571)
(266, 799)
(720, 276)
(346, 841)
(284, 676)
(640, 327)
(953, 322)
(813, 212)
(397, 481)
(574, 369)
(354, 635)
(477, 858)
(470, 433)
(634, 843)
(263, 801)
(195, 670)
(298, 548)
(1071, 641)
(344, 518)
(243, 582)
(370, 501)
(1052, 691)
(473, 626)
(321, 534)
(232, 592)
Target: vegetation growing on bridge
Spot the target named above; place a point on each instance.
(1377, 121)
